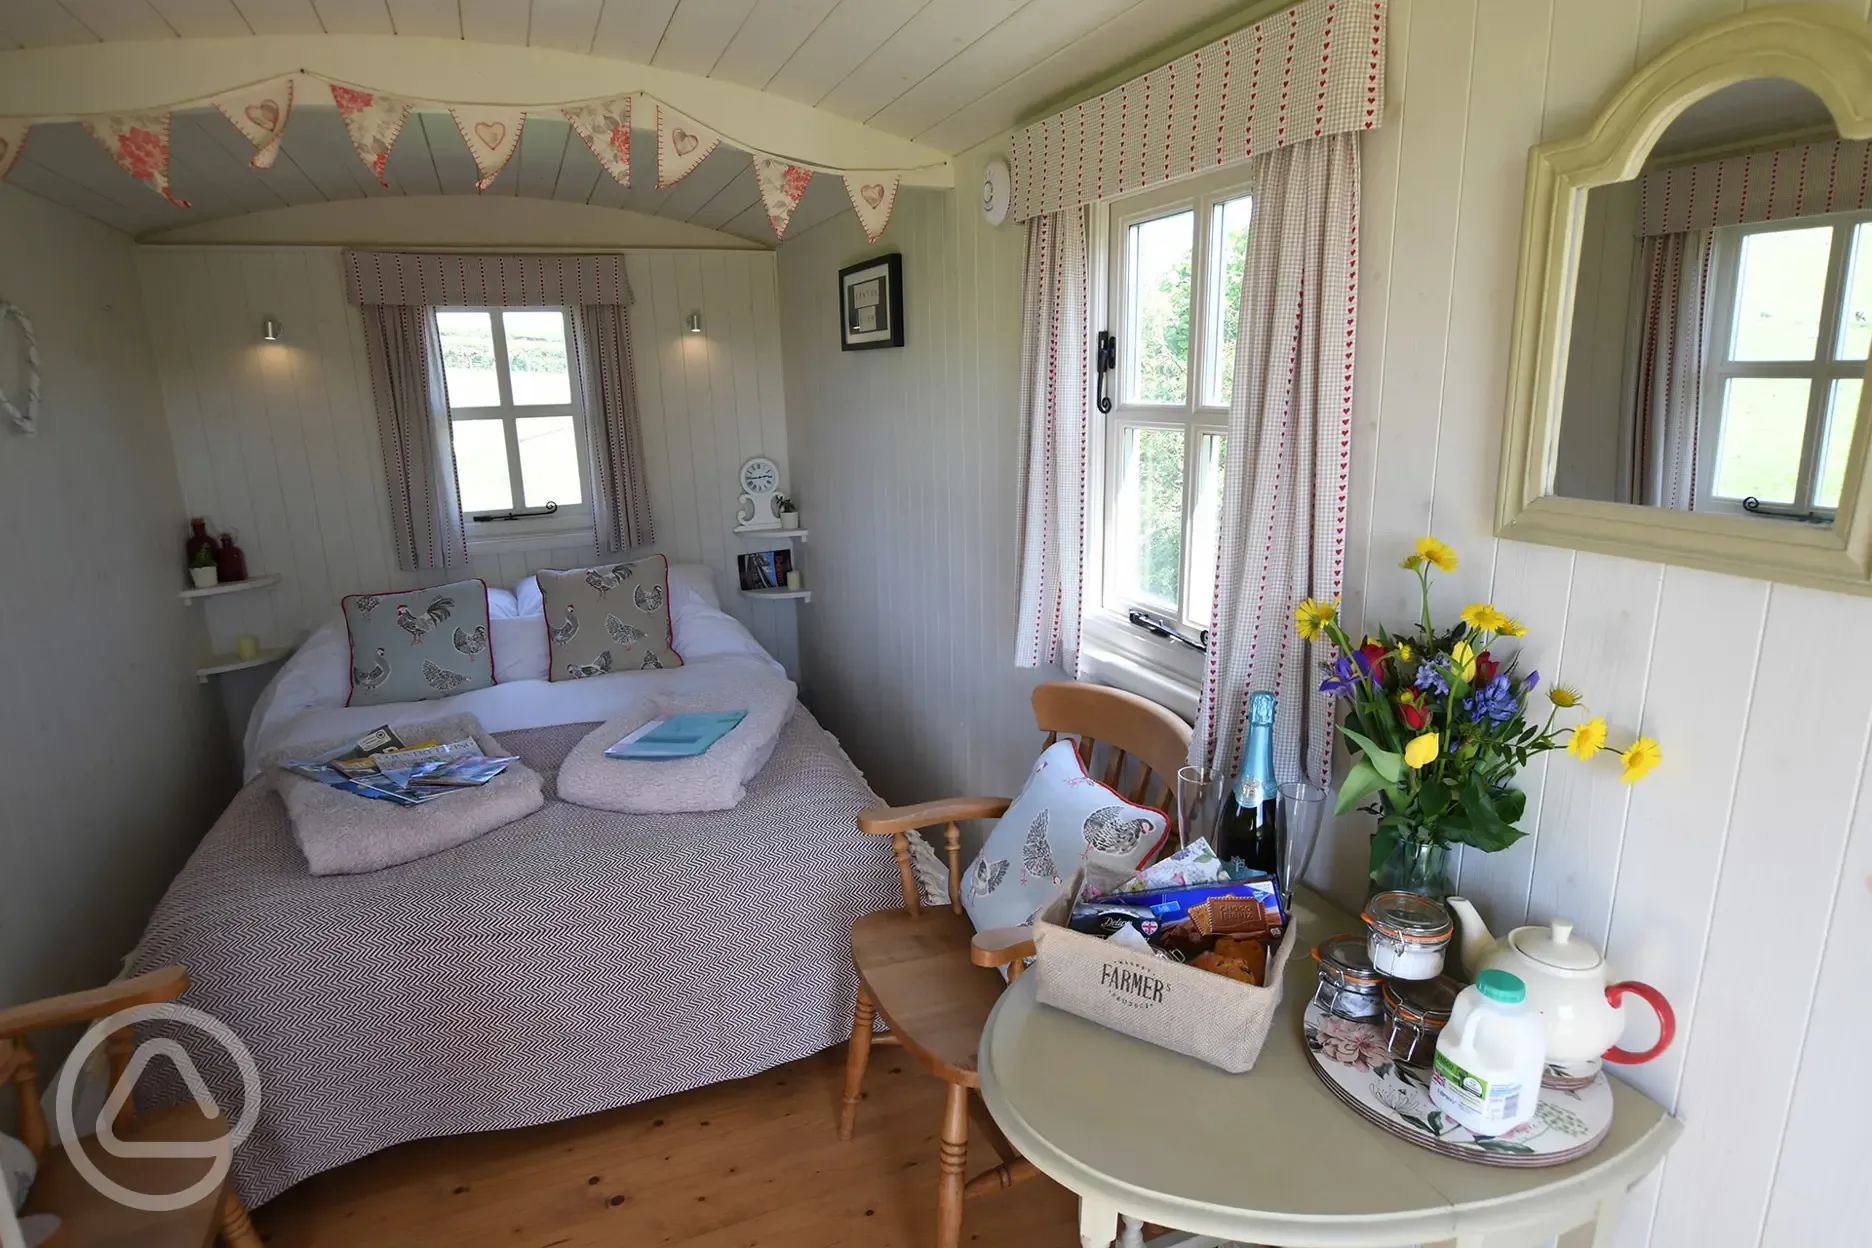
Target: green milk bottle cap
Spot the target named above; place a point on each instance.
(1501, 986)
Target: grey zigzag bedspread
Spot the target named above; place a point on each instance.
(571, 962)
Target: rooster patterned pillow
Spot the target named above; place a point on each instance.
(419, 644)
(1061, 819)
(611, 618)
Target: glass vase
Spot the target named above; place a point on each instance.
(1417, 865)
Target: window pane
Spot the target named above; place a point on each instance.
(468, 359)
(1206, 528)
(1778, 288)
(1855, 334)
(1228, 250)
(548, 460)
(1148, 533)
(481, 465)
(536, 359)
(1158, 316)
(1764, 421)
(1842, 415)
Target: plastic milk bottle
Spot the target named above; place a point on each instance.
(1490, 1057)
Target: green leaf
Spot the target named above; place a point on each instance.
(1433, 800)
(1487, 831)
(1389, 765)
(1384, 843)
(1495, 1145)
(1510, 804)
(1360, 783)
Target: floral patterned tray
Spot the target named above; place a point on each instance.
(1352, 1060)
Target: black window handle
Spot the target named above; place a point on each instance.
(1106, 360)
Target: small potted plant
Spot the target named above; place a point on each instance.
(789, 512)
(202, 569)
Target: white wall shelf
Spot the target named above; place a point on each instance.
(232, 587)
(804, 595)
(785, 534)
(233, 662)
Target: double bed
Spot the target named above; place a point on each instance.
(572, 961)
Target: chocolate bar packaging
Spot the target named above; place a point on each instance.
(1195, 902)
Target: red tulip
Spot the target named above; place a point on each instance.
(1375, 654)
(1485, 669)
(1411, 707)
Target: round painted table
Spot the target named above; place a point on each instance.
(1271, 1157)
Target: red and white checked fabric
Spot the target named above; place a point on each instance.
(1804, 180)
(1056, 397)
(1671, 353)
(1289, 453)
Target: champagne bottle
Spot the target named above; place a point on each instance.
(1245, 826)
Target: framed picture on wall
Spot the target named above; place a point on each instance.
(871, 304)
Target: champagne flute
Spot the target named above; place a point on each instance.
(1299, 812)
(1196, 804)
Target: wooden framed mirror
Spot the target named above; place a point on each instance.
(1694, 312)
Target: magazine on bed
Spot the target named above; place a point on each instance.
(677, 736)
(381, 765)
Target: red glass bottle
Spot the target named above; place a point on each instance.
(198, 540)
(230, 561)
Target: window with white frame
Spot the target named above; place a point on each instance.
(1792, 322)
(1173, 270)
(517, 418)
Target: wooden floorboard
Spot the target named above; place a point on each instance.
(751, 1164)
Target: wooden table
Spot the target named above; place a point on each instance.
(1271, 1157)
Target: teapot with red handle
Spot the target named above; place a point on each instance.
(1567, 981)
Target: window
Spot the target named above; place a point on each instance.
(1174, 268)
(517, 419)
(1787, 354)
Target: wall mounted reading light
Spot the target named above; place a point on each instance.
(270, 329)
(694, 323)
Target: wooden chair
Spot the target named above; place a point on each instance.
(933, 978)
(87, 1217)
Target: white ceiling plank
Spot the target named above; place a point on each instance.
(54, 187)
(454, 167)
(631, 29)
(769, 36)
(432, 19)
(280, 17)
(42, 24)
(202, 19)
(927, 42)
(494, 21)
(699, 33)
(1085, 59)
(683, 200)
(120, 19)
(579, 172)
(1035, 32)
(354, 17)
(729, 202)
(542, 151)
(68, 151)
(284, 177)
(750, 222)
(565, 24)
(205, 172)
(412, 169)
(855, 30)
(317, 143)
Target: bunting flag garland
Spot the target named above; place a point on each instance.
(682, 144)
(12, 142)
(605, 127)
(873, 195)
(374, 120)
(260, 113)
(492, 136)
(139, 142)
(781, 185)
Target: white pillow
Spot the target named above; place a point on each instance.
(690, 585)
(502, 605)
(519, 648)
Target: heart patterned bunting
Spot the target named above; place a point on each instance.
(12, 141)
(873, 195)
(139, 143)
(682, 144)
(492, 136)
(605, 127)
(373, 120)
(260, 113)
(781, 186)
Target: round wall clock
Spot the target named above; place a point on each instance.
(760, 494)
(997, 189)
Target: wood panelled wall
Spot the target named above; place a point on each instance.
(279, 440)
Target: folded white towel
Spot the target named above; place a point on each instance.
(716, 780)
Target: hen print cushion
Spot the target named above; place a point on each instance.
(419, 644)
(611, 618)
(1061, 819)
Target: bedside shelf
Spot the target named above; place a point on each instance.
(235, 587)
(804, 595)
(784, 534)
(233, 662)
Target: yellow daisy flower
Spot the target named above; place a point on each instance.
(1437, 554)
(1588, 739)
(1421, 750)
(1404, 651)
(1483, 617)
(1312, 616)
(1639, 760)
(1512, 628)
(1462, 659)
(1565, 696)
(1410, 563)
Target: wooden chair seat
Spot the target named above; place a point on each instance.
(90, 1219)
(935, 1001)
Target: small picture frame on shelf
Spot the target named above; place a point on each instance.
(871, 304)
(766, 569)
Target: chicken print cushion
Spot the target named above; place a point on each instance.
(419, 644)
(1061, 819)
(611, 618)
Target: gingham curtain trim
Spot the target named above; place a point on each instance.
(1800, 181)
(439, 280)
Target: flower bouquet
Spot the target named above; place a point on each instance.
(1441, 725)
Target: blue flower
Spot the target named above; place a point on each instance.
(1533, 678)
(1345, 676)
(1496, 701)
(1430, 679)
